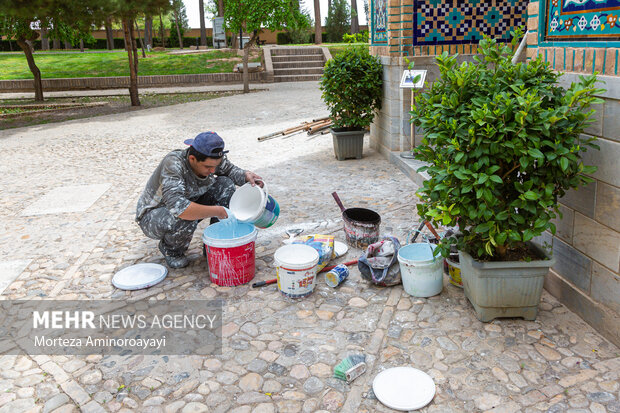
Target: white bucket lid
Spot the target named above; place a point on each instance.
(247, 202)
(296, 256)
(404, 388)
(340, 248)
(136, 277)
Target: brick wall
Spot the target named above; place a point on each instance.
(587, 243)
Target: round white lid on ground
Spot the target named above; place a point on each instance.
(136, 277)
(404, 388)
(340, 248)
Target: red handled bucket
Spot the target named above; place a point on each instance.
(231, 260)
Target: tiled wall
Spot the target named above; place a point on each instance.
(587, 243)
(430, 27)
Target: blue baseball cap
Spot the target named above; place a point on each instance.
(208, 143)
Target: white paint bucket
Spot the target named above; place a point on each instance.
(253, 204)
(422, 274)
(296, 268)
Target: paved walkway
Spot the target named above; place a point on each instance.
(278, 354)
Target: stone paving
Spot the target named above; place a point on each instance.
(278, 353)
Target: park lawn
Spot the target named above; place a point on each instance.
(55, 65)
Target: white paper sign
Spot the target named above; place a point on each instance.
(407, 80)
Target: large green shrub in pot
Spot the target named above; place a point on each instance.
(352, 85)
(503, 144)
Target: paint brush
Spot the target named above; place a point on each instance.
(261, 283)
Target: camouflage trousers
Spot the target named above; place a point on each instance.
(176, 233)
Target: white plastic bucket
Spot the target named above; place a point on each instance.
(422, 274)
(231, 258)
(254, 204)
(296, 267)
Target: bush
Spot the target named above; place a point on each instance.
(356, 38)
(502, 143)
(352, 85)
(283, 38)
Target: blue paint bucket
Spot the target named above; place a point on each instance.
(420, 270)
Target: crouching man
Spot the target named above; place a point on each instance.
(188, 185)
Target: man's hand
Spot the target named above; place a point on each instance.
(221, 212)
(253, 179)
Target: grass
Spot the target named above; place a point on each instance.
(86, 64)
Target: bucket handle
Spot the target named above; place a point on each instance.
(264, 188)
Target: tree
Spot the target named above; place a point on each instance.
(203, 30)
(180, 20)
(338, 20)
(109, 35)
(318, 32)
(62, 19)
(355, 25)
(251, 16)
(127, 11)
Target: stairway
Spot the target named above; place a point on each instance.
(294, 64)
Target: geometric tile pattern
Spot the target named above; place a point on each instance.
(379, 20)
(582, 20)
(463, 22)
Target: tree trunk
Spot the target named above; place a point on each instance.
(355, 25)
(148, 30)
(56, 44)
(68, 45)
(109, 35)
(140, 37)
(162, 32)
(176, 22)
(38, 85)
(133, 64)
(220, 8)
(203, 30)
(318, 38)
(45, 41)
(246, 58)
(82, 45)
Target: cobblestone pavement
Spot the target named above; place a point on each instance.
(278, 353)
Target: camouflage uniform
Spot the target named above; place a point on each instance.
(170, 190)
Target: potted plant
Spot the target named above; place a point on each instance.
(352, 84)
(502, 144)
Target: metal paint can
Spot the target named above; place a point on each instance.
(337, 275)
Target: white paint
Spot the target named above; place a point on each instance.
(76, 198)
(10, 270)
(296, 269)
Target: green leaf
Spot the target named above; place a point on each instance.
(527, 235)
(564, 163)
(531, 195)
(496, 178)
(536, 153)
(484, 227)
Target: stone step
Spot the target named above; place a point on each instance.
(291, 64)
(296, 78)
(287, 51)
(294, 58)
(298, 71)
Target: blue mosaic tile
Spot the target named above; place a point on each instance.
(582, 20)
(463, 22)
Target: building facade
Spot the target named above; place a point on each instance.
(575, 37)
